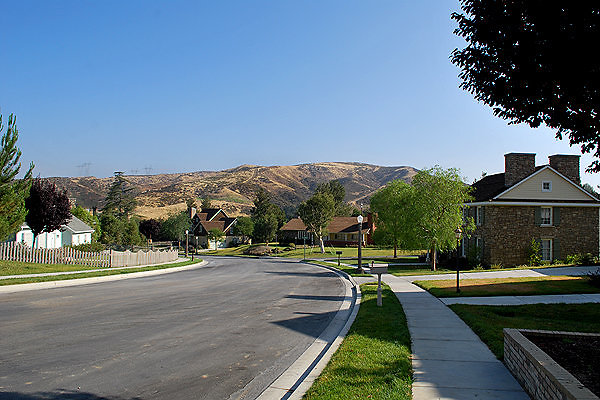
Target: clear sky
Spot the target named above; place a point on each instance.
(179, 86)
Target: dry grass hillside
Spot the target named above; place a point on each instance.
(233, 189)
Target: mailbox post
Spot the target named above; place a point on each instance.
(379, 269)
(339, 254)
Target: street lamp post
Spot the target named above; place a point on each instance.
(186, 243)
(359, 269)
(457, 233)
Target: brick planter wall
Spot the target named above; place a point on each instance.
(507, 232)
(541, 377)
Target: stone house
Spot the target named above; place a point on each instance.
(527, 202)
(341, 231)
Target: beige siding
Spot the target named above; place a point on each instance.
(531, 189)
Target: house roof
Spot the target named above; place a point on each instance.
(76, 225)
(491, 186)
(337, 225)
(208, 214)
(223, 224)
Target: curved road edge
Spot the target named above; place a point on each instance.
(294, 382)
(86, 281)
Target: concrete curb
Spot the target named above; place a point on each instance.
(86, 281)
(294, 382)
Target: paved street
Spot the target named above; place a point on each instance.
(218, 332)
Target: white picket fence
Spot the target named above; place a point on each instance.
(14, 251)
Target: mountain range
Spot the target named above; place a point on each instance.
(233, 189)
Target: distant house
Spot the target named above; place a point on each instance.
(73, 233)
(341, 231)
(213, 218)
(543, 203)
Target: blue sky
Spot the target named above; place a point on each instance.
(184, 86)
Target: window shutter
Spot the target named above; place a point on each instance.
(555, 249)
(538, 216)
(556, 216)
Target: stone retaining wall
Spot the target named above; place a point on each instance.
(541, 377)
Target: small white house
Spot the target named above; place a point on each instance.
(73, 233)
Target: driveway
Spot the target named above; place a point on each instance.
(223, 331)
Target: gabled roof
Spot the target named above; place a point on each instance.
(76, 225)
(491, 187)
(224, 225)
(294, 224)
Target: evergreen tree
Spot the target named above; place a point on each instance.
(120, 200)
(13, 191)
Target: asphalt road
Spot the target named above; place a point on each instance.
(223, 331)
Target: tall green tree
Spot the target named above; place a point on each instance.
(174, 227)
(120, 200)
(437, 203)
(316, 213)
(48, 208)
(13, 191)
(244, 227)
(90, 219)
(394, 216)
(530, 61)
(338, 192)
(266, 216)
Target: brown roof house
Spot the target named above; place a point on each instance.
(543, 203)
(211, 218)
(341, 231)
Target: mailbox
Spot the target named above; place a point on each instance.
(379, 269)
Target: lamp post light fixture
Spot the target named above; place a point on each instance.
(457, 234)
(359, 269)
(186, 243)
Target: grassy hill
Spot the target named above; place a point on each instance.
(233, 189)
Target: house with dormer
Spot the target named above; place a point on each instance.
(213, 218)
(545, 203)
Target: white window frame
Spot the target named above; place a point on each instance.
(463, 248)
(546, 256)
(478, 219)
(549, 188)
(549, 223)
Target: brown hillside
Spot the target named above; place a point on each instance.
(233, 189)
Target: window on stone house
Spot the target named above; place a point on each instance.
(546, 248)
(478, 215)
(546, 216)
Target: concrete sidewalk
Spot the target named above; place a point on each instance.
(516, 273)
(449, 360)
(518, 300)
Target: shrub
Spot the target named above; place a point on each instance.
(534, 254)
(594, 278)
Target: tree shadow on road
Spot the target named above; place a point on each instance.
(315, 274)
(311, 324)
(59, 394)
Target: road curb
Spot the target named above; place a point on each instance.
(86, 281)
(295, 381)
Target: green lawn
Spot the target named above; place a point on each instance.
(488, 321)
(312, 252)
(15, 281)
(509, 286)
(22, 268)
(374, 360)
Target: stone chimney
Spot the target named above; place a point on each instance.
(566, 164)
(518, 166)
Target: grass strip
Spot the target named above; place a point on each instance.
(488, 321)
(349, 270)
(374, 360)
(510, 286)
(16, 281)
(23, 268)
